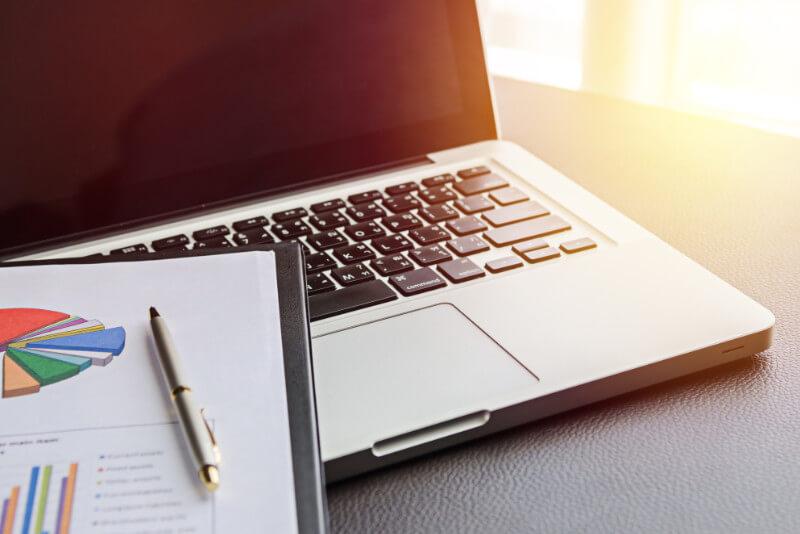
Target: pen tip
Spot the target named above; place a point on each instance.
(154, 313)
(209, 474)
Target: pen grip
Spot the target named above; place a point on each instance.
(168, 355)
(194, 429)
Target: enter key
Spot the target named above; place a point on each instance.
(515, 213)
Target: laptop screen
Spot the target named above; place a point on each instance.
(117, 113)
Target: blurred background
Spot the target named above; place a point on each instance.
(737, 60)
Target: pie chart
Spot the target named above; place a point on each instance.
(42, 347)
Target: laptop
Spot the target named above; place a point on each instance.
(457, 284)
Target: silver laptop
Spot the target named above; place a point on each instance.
(457, 284)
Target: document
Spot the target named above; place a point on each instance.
(89, 441)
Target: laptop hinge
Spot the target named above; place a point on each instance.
(365, 172)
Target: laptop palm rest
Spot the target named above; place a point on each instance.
(399, 382)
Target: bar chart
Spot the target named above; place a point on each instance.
(122, 480)
(39, 499)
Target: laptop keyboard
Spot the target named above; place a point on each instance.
(413, 237)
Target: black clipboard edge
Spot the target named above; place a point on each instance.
(309, 477)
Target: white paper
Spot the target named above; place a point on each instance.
(223, 313)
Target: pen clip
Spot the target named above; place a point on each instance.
(217, 452)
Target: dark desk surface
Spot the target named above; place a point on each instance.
(715, 451)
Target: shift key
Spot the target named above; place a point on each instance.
(514, 233)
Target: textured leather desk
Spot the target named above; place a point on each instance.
(717, 451)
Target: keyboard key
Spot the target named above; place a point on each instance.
(352, 274)
(365, 212)
(401, 222)
(303, 247)
(415, 282)
(368, 196)
(437, 195)
(481, 184)
(349, 299)
(402, 188)
(441, 179)
(466, 225)
(169, 242)
(328, 220)
(474, 204)
(514, 233)
(527, 246)
(430, 255)
(402, 203)
(535, 256)
(389, 265)
(439, 213)
(364, 231)
(214, 242)
(328, 205)
(460, 270)
(467, 245)
(577, 245)
(516, 213)
(288, 215)
(508, 195)
(503, 264)
(326, 240)
(354, 253)
(472, 172)
(429, 234)
(253, 236)
(208, 233)
(319, 262)
(139, 248)
(291, 229)
(391, 244)
(318, 283)
(252, 222)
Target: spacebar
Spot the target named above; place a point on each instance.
(349, 298)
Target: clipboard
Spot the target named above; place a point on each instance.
(309, 478)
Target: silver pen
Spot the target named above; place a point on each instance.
(200, 440)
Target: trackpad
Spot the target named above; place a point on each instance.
(397, 375)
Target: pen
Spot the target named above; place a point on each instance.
(200, 440)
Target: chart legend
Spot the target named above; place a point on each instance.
(42, 347)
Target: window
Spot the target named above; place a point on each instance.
(732, 59)
(536, 40)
